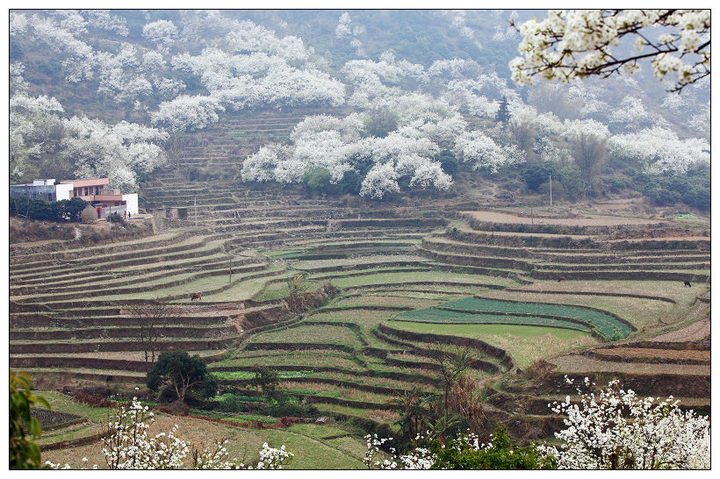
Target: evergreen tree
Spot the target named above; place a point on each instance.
(503, 114)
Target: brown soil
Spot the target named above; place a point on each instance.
(585, 220)
(695, 332)
(662, 238)
(655, 353)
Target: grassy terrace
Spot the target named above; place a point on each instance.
(316, 359)
(525, 344)
(357, 263)
(387, 266)
(72, 250)
(366, 319)
(109, 260)
(146, 278)
(668, 289)
(162, 286)
(641, 313)
(319, 334)
(383, 300)
(440, 316)
(416, 277)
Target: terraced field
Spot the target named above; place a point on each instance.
(490, 311)
(584, 296)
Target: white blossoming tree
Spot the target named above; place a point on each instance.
(161, 32)
(128, 445)
(609, 429)
(380, 180)
(482, 151)
(580, 43)
(616, 429)
(659, 150)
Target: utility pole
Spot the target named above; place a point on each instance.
(550, 190)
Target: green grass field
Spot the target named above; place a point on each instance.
(474, 310)
(525, 344)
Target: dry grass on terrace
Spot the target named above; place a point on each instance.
(695, 332)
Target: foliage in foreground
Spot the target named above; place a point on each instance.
(610, 429)
(463, 452)
(128, 446)
(24, 453)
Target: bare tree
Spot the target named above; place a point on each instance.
(152, 315)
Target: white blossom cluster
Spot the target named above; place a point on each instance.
(458, 21)
(121, 75)
(610, 429)
(104, 21)
(129, 446)
(577, 43)
(162, 33)
(659, 150)
(187, 113)
(273, 458)
(631, 115)
(119, 152)
(614, 428)
(258, 80)
(480, 149)
(337, 145)
(93, 148)
(343, 29)
(78, 56)
(377, 85)
(249, 67)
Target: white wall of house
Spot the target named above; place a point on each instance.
(63, 191)
(131, 200)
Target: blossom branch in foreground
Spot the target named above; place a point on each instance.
(615, 429)
(578, 43)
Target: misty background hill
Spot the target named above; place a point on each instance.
(414, 96)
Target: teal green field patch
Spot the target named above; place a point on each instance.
(473, 310)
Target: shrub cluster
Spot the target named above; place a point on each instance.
(93, 400)
(39, 209)
(693, 189)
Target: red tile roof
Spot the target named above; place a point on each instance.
(85, 183)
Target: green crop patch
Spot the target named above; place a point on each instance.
(473, 310)
(434, 315)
